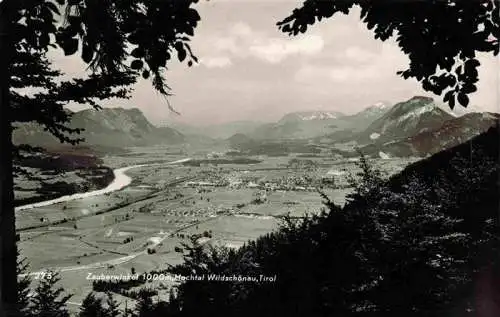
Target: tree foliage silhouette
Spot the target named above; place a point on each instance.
(145, 307)
(119, 40)
(112, 309)
(92, 307)
(32, 70)
(49, 300)
(23, 291)
(440, 37)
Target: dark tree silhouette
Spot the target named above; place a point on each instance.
(120, 41)
(144, 306)
(49, 299)
(32, 70)
(24, 283)
(113, 307)
(92, 307)
(440, 37)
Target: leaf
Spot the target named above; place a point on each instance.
(426, 85)
(52, 7)
(463, 99)
(471, 63)
(451, 102)
(133, 38)
(448, 95)
(136, 64)
(469, 88)
(450, 80)
(181, 52)
(70, 46)
(145, 74)
(193, 15)
(44, 40)
(137, 52)
(87, 53)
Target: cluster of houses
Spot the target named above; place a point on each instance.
(291, 182)
(288, 183)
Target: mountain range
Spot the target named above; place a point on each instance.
(405, 119)
(112, 127)
(416, 127)
(429, 141)
(313, 124)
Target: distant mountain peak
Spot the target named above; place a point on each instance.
(311, 115)
(414, 106)
(407, 118)
(377, 108)
(432, 140)
(422, 99)
(320, 115)
(380, 105)
(107, 126)
(419, 111)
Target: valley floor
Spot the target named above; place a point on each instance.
(141, 227)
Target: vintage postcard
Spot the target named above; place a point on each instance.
(249, 158)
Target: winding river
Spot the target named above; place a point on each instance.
(120, 181)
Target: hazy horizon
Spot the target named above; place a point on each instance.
(250, 71)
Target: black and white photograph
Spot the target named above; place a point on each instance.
(260, 158)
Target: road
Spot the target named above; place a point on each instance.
(126, 258)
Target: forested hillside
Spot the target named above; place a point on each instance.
(424, 243)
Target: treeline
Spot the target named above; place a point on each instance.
(128, 288)
(239, 160)
(60, 162)
(118, 286)
(90, 179)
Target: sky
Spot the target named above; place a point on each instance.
(249, 70)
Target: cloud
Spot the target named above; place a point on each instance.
(242, 41)
(241, 29)
(275, 50)
(226, 44)
(311, 73)
(347, 72)
(216, 62)
(354, 66)
(357, 54)
(343, 74)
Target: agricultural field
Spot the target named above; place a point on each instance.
(142, 226)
